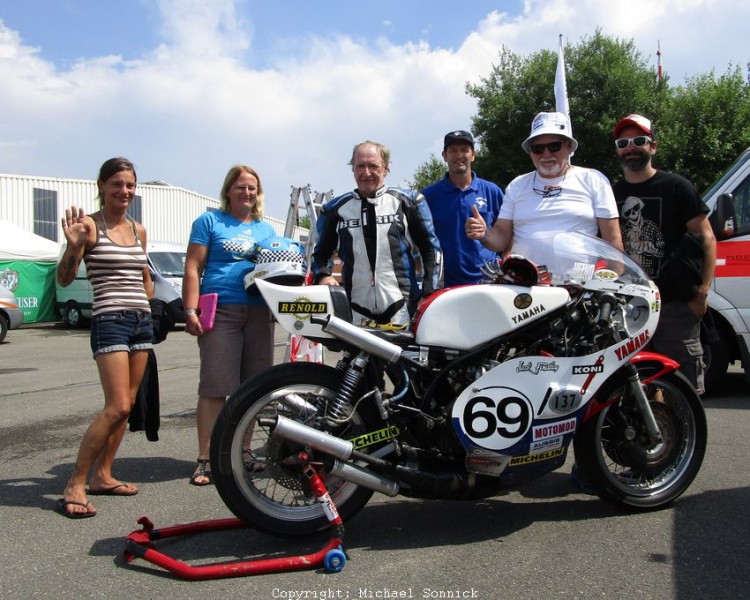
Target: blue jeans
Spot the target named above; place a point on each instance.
(121, 331)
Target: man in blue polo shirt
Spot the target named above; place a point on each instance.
(450, 201)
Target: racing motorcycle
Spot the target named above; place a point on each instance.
(487, 389)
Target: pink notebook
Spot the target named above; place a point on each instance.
(207, 310)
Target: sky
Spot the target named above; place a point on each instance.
(187, 88)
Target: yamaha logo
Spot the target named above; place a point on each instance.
(522, 301)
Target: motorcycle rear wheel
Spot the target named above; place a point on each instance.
(247, 461)
(612, 454)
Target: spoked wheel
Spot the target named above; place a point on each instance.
(614, 456)
(256, 473)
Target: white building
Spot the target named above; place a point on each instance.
(37, 204)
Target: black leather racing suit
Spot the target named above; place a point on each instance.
(375, 239)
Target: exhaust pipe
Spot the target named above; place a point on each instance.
(307, 436)
(356, 336)
(341, 449)
(296, 403)
(356, 474)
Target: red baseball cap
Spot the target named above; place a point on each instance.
(634, 120)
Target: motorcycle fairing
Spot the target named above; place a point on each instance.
(293, 306)
(502, 408)
(485, 462)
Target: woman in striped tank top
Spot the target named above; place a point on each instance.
(114, 250)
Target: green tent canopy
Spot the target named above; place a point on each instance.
(27, 268)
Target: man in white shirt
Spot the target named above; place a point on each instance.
(556, 196)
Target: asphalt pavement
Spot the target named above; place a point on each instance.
(545, 540)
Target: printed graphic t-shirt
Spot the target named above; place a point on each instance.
(230, 242)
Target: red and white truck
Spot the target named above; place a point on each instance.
(729, 298)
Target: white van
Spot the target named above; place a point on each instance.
(729, 298)
(167, 263)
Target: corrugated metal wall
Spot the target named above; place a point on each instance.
(167, 212)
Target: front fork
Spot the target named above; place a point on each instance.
(638, 390)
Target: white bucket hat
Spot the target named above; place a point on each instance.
(554, 123)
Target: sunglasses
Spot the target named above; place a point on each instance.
(552, 147)
(639, 141)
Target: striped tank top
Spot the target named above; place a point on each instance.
(116, 273)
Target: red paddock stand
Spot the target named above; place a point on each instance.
(140, 544)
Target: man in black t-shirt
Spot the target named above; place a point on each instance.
(666, 231)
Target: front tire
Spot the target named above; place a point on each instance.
(248, 463)
(613, 457)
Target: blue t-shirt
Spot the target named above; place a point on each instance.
(450, 207)
(229, 242)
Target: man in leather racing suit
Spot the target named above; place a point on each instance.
(374, 229)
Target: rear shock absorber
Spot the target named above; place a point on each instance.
(340, 407)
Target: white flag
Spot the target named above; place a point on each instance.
(561, 87)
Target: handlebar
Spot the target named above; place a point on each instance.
(606, 303)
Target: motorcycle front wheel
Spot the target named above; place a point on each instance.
(614, 457)
(251, 468)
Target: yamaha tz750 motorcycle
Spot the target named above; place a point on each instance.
(486, 390)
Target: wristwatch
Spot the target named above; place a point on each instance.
(190, 311)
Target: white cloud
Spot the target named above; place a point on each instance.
(187, 110)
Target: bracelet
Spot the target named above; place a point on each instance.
(189, 312)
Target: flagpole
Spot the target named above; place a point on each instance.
(561, 86)
(659, 72)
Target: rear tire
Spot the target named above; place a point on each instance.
(613, 457)
(248, 463)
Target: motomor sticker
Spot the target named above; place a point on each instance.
(542, 432)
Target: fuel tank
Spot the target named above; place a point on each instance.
(466, 316)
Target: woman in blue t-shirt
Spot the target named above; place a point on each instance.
(240, 343)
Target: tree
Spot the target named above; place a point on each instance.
(427, 173)
(705, 125)
(607, 79)
(702, 126)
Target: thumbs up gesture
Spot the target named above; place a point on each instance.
(476, 228)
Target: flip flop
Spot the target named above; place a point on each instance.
(62, 503)
(121, 489)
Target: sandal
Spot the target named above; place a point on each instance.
(202, 472)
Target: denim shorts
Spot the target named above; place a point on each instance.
(121, 331)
